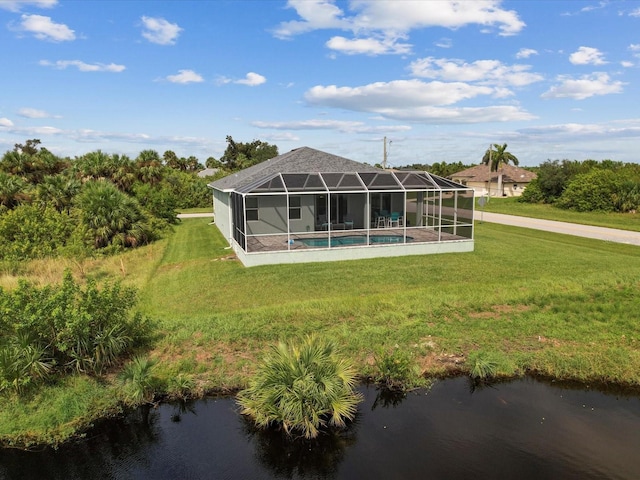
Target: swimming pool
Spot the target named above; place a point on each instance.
(353, 240)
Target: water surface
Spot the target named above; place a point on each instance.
(525, 429)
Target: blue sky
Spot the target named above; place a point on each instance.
(440, 79)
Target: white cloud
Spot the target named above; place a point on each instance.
(160, 31)
(185, 76)
(526, 53)
(252, 79)
(339, 125)
(444, 43)
(414, 100)
(315, 14)
(635, 13)
(634, 48)
(43, 28)
(396, 94)
(587, 56)
(5, 122)
(376, 23)
(368, 46)
(35, 113)
(83, 67)
(17, 5)
(626, 64)
(486, 72)
(584, 87)
(620, 128)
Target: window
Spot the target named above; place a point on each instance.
(295, 212)
(251, 207)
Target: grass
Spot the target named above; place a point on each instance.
(511, 206)
(524, 300)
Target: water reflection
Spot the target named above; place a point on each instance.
(300, 458)
(524, 429)
(386, 398)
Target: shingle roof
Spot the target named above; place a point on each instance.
(482, 173)
(299, 160)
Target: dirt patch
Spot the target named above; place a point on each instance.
(438, 362)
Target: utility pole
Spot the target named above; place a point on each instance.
(384, 154)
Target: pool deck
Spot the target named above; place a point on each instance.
(272, 243)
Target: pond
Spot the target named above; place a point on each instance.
(525, 429)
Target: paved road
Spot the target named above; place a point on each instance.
(600, 233)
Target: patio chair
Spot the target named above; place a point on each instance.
(394, 220)
(322, 222)
(348, 223)
(381, 221)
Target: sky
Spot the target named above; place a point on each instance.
(441, 80)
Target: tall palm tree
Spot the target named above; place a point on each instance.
(496, 156)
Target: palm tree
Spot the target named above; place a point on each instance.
(12, 190)
(111, 216)
(496, 156)
(58, 191)
(302, 388)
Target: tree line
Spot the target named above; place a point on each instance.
(606, 186)
(101, 202)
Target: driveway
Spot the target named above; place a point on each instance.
(600, 233)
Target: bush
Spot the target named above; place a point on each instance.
(30, 232)
(67, 327)
(158, 200)
(397, 370)
(137, 380)
(302, 389)
(189, 190)
(592, 191)
(111, 217)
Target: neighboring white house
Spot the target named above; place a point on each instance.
(485, 182)
(309, 206)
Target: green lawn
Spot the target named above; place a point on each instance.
(526, 300)
(557, 304)
(511, 206)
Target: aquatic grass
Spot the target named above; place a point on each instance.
(396, 369)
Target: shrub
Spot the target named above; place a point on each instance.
(85, 330)
(397, 370)
(302, 389)
(137, 380)
(592, 191)
(484, 365)
(189, 190)
(30, 232)
(158, 200)
(111, 217)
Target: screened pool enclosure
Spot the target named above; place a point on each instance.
(308, 206)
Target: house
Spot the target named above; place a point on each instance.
(208, 172)
(487, 183)
(307, 206)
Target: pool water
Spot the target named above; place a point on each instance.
(353, 240)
